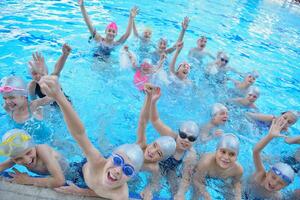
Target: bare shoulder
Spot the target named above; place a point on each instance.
(238, 170)
(205, 161)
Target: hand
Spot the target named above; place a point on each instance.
(70, 189)
(146, 195)
(80, 2)
(20, 178)
(134, 11)
(38, 62)
(185, 23)
(150, 89)
(277, 126)
(50, 86)
(156, 94)
(179, 46)
(66, 49)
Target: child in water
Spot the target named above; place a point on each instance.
(243, 87)
(263, 184)
(38, 69)
(104, 177)
(199, 52)
(249, 100)
(161, 149)
(221, 164)
(219, 116)
(107, 44)
(39, 159)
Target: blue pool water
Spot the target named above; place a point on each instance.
(258, 34)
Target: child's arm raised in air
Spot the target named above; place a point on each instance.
(274, 131)
(161, 128)
(66, 49)
(184, 26)
(179, 46)
(133, 13)
(135, 32)
(51, 88)
(95, 35)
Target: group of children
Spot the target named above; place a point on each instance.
(172, 155)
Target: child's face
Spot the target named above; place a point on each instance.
(162, 45)
(37, 74)
(184, 143)
(252, 97)
(183, 71)
(202, 42)
(146, 68)
(147, 34)
(27, 158)
(289, 117)
(223, 60)
(225, 158)
(153, 153)
(250, 79)
(221, 117)
(14, 102)
(273, 182)
(110, 33)
(114, 175)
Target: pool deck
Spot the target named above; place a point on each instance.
(10, 191)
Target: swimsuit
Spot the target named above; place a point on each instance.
(39, 93)
(75, 173)
(170, 164)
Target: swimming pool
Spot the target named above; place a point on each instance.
(257, 34)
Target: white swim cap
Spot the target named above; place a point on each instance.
(284, 171)
(296, 114)
(229, 141)
(167, 146)
(15, 142)
(254, 90)
(253, 74)
(190, 128)
(13, 86)
(218, 107)
(134, 153)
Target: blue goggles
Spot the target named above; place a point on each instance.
(281, 175)
(127, 169)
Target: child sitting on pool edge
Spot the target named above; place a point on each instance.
(105, 177)
(39, 159)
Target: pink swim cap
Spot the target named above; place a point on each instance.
(146, 64)
(112, 26)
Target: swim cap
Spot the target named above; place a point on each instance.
(112, 26)
(296, 114)
(134, 153)
(284, 171)
(148, 28)
(190, 128)
(218, 107)
(147, 63)
(167, 146)
(17, 85)
(14, 142)
(229, 141)
(253, 73)
(254, 90)
(222, 54)
(183, 63)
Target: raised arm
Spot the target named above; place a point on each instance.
(66, 49)
(160, 63)
(161, 128)
(135, 32)
(274, 131)
(260, 117)
(51, 88)
(173, 62)
(184, 26)
(133, 13)
(88, 22)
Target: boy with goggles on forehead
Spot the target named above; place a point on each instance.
(159, 150)
(181, 164)
(104, 177)
(267, 185)
(221, 164)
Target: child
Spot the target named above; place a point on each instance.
(38, 69)
(14, 93)
(264, 184)
(162, 43)
(219, 116)
(185, 155)
(39, 159)
(199, 52)
(183, 69)
(243, 87)
(107, 43)
(105, 177)
(250, 98)
(161, 149)
(221, 164)
(265, 120)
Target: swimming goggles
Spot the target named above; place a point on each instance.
(127, 169)
(224, 60)
(10, 89)
(16, 140)
(281, 175)
(183, 135)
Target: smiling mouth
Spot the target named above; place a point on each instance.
(111, 178)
